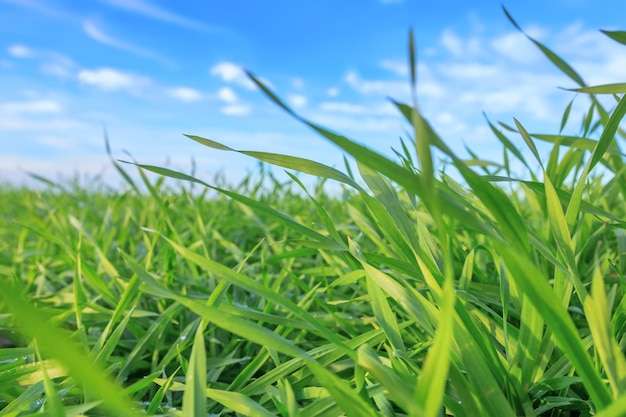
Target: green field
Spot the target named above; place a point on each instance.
(407, 291)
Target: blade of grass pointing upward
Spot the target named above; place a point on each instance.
(194, 399)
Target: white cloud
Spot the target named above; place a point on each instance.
(28, 125)
(227, 95)
(297, 100)
(58, 65)
(471, 70)
(232, 73)
(400, 90)
(385, 109)
(452, 43)
(332, 92)
(153, 11)
(37, 106)
(20, 51)
(109, 79)
(185, 94)
(232, 105)
(236, 110)
(97, 34)
(56, 142)
(353, 124)
(395, 66)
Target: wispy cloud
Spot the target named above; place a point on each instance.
(395, 66)
(227, 95)
(232, 73)
(386, 109)
(35, 106)
(398, 89)
(297, 100)
(56, 142)
(58, 65)
(51, 62)
(109, 79)
(237, 110)
(96, 33)
(233, 106)
(43, 8)
(29, 125)
(20, 51)
(185, 94)
(153, 11)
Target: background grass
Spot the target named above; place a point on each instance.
(420, 288)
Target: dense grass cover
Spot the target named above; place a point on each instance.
(408, 294)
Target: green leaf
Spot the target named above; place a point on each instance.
(556, 60)
(194, 399)
(615, 88)
(616, 35)
(605, 344)
(431, 384)
(290, 162)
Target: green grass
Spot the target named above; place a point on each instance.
(410, 292)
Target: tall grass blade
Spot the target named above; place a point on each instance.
(194, 398)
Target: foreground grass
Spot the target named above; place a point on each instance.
(411, 294)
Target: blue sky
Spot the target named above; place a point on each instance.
(151, 70)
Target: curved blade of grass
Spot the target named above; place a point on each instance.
(431, 384)
(566, 114)
(194, 398)
(290, 162)
(564, 196)
(616, 35)
(614, 88)
(606, 138)
(600, 326)
(554, 58)
(528, 140)
(608, 134)
(160, 394)
(54, 407)
(573, 141)
(409, 180)
(325, 241)
(507, 143)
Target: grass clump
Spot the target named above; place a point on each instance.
(411, 294)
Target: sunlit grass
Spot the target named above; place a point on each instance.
(409, 293)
